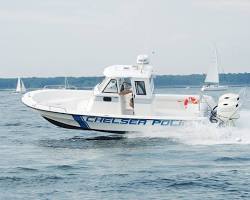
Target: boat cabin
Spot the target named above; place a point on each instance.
(126, 89)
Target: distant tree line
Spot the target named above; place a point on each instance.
(198, 79)
(35, 82)
(160, 81)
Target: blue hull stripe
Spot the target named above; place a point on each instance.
(84, 120)
(81, 121)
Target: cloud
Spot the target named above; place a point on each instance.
(38, 17)
(223, 4)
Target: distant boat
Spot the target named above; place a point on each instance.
(20, 88)
(212, 77)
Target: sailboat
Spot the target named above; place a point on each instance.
(20, 88)
(212, 77)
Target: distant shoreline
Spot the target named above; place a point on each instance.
(193, 80)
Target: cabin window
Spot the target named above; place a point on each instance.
(126, 84)
(140, 88)
(111, 87)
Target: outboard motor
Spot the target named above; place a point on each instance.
(228, 109)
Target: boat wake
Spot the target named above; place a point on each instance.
(206, 134)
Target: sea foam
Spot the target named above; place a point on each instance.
(206, 133)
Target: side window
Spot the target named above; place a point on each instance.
(111, 87)
(140, 88)
(126, 84)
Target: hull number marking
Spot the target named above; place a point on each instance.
(127, 121)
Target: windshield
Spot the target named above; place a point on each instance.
(101, 85)
(111, 87)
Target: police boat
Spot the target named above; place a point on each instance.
(125, 101)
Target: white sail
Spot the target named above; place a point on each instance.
(23, 88)
(20, 86)
(213, 72)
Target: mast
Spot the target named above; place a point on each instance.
(66, 83)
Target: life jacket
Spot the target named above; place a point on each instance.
(188, 100)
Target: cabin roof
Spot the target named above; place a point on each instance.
(128, 71)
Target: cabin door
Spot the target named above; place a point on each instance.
(127, 97)
(141, 103)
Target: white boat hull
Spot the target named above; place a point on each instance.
(114, 124)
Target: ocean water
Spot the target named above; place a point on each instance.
(41, 161)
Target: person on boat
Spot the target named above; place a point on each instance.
(125, 90)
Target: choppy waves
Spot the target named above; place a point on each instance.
(41, 161)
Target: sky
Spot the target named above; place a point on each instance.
(81, 37)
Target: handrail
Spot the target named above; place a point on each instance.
(60, 87)
(53, 87)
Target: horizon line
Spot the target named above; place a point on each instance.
(98, 76)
